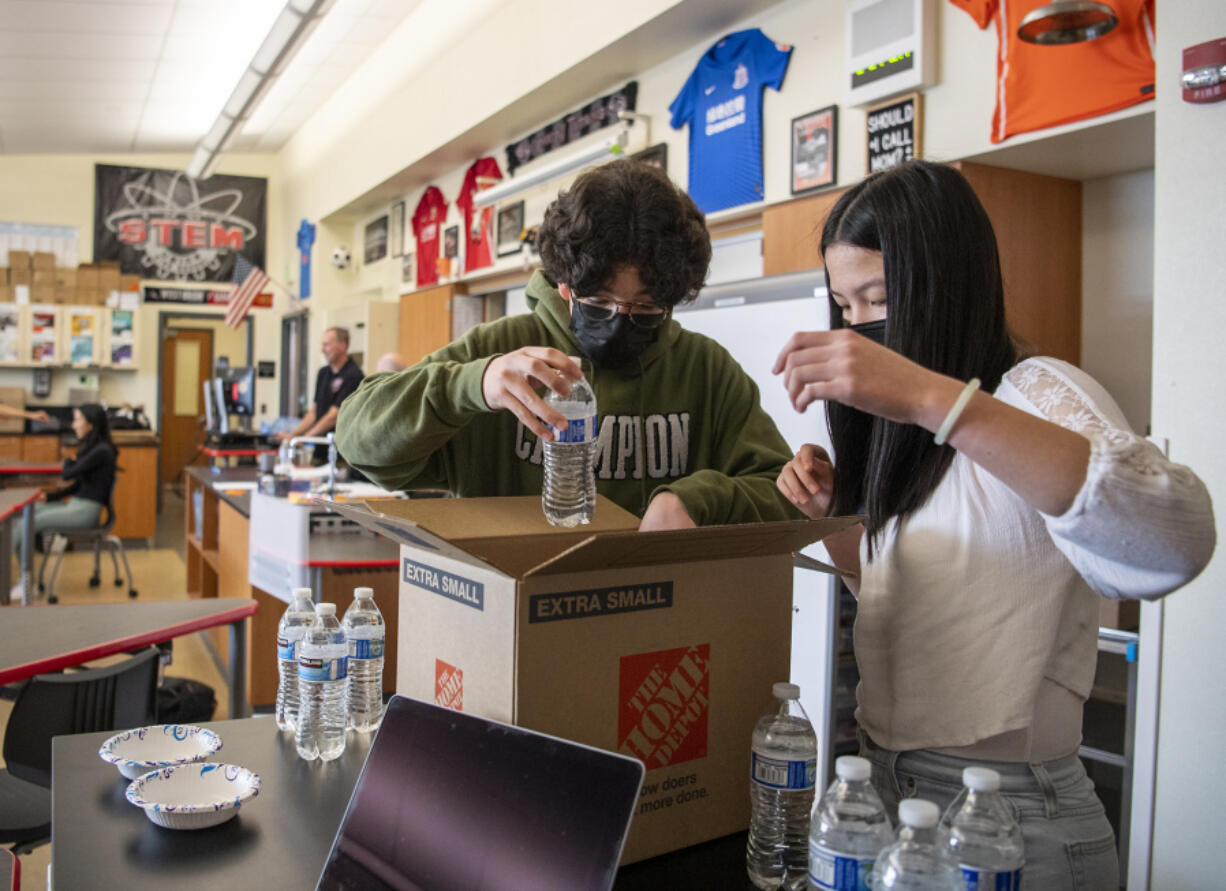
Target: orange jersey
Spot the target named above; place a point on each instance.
(1043, 86)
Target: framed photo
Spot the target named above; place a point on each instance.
(406, 267)
(815, 141)
(656, 156)
(374, 246)
(396, 229)
(451, 242)
(510, 224)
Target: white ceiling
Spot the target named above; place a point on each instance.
(152, 75)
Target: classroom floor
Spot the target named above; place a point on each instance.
(159, 574)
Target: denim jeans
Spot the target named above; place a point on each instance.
(1068, 841)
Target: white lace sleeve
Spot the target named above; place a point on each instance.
(1141, 526)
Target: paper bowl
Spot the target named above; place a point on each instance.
(193, 796)
(136, 752)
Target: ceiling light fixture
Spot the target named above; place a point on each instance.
(286, 36)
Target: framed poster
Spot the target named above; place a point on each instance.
(510, 224)
(374, 247)
(895, 131)
(815, 140)
(451, 242)
(396, 229)
(406, 267)
(656, 156)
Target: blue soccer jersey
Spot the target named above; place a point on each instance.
(722, 103)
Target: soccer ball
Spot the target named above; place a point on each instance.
(341, 258)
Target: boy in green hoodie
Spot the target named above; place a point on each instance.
(683, 440)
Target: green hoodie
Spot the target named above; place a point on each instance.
(690, 423)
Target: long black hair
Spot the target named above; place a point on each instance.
(945, 310)
(99, 428)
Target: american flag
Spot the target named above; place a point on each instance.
(249, 280)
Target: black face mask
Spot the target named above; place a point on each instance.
(874, 331)
(615, 343)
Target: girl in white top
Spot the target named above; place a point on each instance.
(983, 548)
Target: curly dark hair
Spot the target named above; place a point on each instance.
(626, 214)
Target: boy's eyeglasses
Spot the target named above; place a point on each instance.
(643, 315)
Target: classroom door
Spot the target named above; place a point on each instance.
(187, 361)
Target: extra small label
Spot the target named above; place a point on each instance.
(779, 774)
(600, 601)
(366, 649)
(831, 871)
(454, 587)
(990, 880)
(578, 430)
(315, 669)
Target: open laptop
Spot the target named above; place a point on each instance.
(449, 801)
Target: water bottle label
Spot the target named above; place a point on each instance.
(285, 649)
(578, 430)
(366, 649)
(313, 668)
(835, 872)
(990, 880)
(779, 774)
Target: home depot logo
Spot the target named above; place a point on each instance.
(448, 686)
(665, 698)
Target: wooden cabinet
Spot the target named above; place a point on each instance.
(425, 320)
(136, 495)
(41, 449)
(1038, 229)
(10, 448)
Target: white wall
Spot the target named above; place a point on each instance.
(1188, 408)
(1117, 289)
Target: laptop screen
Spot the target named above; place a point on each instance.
(452, 801)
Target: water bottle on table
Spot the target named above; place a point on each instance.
(849, 829)
(294, 623)
(323, 659)
(783, 768)
(365, 633)
(918, 860)
(982, 835)
(569, 494)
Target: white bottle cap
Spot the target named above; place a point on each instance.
(364, 593)
(325, 609)
(981, 779)
(918, 813)
(302, 592)
(852, 768)
(784, 690)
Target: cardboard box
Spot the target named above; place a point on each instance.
(87, 277)
(129, 282)
(42, 277)
(66, 276)
(13, 397)
(108, 278)
(20, 275)
(19, 259)
(4, 276)
(663, 646)
(42, 260)
(42, 293)
(1123, 615)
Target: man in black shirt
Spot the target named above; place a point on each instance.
(338, 378)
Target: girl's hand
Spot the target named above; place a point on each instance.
(808, 481)
(511, 380)
(846, 367)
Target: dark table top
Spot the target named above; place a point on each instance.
(36, 639)
(10, 871)
(280, 838)
(13, 500)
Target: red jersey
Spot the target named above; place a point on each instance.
(1041, 86)
(477, 251)
(427, 219)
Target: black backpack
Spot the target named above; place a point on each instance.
(184, 701)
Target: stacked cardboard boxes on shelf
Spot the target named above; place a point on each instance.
(90, 284)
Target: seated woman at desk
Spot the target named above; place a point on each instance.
(90, 477)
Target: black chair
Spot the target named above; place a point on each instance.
(57, 540)
(117, 697)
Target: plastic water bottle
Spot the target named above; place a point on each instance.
(294, 623)
(849, 829)
(365, 633)
(322, 687)
(982, 835)
(783, 769)
(918, 860)
(569, 494)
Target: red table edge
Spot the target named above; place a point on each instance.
(10, 470)
(9, 511)
(235, 453)
(122, 644)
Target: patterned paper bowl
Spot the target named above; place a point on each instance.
(139, 751)
(193, 796)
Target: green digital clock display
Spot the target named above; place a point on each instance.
(883, 69)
